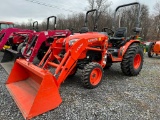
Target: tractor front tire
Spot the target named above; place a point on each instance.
(92, 75)
(150, 51)
(132, 61)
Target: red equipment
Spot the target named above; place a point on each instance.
(5, 36)
(41, 41)
(10, 40)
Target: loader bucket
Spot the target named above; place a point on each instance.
(33, 89)
(9, 55)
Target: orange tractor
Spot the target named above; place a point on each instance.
(35, 89)
(154, 48)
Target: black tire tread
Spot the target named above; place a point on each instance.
(149, 49)
(86, 74)
(127, 62)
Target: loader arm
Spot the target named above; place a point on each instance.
(38, 42)
(5, 36)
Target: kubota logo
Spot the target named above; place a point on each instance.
(79, 47)
(93, 40)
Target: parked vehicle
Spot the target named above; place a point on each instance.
(154, 49)
(10, 40)
(35, 89)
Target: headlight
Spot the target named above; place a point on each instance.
(71, 42)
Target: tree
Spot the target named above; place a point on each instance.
(157, 19)
(104, 17)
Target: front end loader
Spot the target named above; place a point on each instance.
(10, 40)
(5, 36)
(35, 89)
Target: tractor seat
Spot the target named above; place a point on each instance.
(121, 32)
(84, 30)
(119, 36)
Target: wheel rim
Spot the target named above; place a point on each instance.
(137, 61)
(95, 76)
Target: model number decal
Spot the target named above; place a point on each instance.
(79, 47)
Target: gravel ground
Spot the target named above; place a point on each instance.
(117, 98)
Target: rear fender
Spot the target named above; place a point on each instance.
(124, 48)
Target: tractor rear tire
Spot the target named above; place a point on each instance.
(132, 61)
(150, 47)
(92, 75)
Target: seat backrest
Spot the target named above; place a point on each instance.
(121, 32)
(137, 29)
(84, 30)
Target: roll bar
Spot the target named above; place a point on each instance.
(55, 18)
(134, 3)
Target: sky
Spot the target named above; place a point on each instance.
(23, 10)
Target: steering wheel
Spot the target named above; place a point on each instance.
(109, 31)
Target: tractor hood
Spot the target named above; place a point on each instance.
(92, 37)
(87, 35)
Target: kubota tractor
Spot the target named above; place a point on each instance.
(154, 49)
(35, 89)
